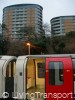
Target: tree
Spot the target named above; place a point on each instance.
(58, 44)
(4, 44)
(71, 34)
(4, 39)
(17, 48)
(38, 40)
(46, 28)
(26, 33)
(5, 31)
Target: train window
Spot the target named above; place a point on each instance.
(41, 70)
(11, 69)
(74, 70)
(55, 73)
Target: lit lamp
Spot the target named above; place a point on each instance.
(28, 44)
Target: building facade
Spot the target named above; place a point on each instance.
(62, 25)
(19, 17)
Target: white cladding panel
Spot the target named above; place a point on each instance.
(20, 76)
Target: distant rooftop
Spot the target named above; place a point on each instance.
(23, 5)
(63, 16)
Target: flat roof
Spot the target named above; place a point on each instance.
(63, 16)
(17, 5)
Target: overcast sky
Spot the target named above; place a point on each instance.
(51, 8)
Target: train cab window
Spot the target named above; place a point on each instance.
(56, 73)
(41, 70)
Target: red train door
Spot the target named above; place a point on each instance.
(59, 79)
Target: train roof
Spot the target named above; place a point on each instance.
(7, 57)
(44, 56)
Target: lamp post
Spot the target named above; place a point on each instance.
(28, 44)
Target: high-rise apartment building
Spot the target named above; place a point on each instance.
(21, 16)
(62, 25)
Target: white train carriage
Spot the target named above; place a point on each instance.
(24, 75)
(32, 75)
(7, 71)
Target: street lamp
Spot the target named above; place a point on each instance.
(28, 44)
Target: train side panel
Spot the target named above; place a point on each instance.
(59, 78)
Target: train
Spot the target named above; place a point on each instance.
(38, 77)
